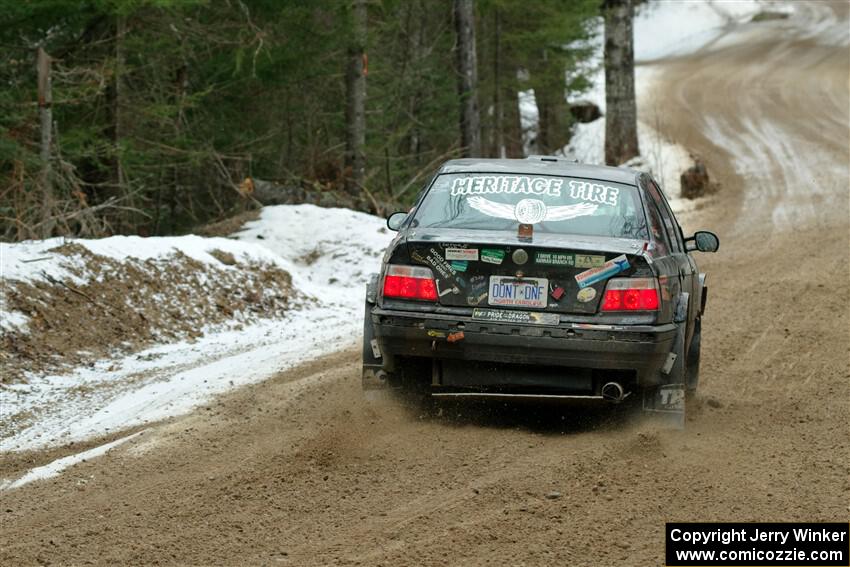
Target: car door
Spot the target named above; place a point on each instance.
(684, 263)
(662, 256)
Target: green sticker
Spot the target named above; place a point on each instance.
(554, 259)
(459, 265)
(492, 256)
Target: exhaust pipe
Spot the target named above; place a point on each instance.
(613, 392)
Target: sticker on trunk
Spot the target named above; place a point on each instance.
(586, 294)
(610, 268)
(447, 278)
(491, 256)
(513, 291)
(524, 317)
(459, 265)
(589, 261)
(477, 291)
(555, 259)
(462, 254)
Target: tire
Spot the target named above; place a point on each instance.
(692, 364)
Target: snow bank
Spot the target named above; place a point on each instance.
(28, 261)
(45, 260)
(329, 254)
(669, 28)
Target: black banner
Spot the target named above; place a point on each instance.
(757, 544)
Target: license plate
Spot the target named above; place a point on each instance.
(504, 316)
(526, 292)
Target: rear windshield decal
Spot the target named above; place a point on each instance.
(594, 192)
(490, 184)
(530, 211)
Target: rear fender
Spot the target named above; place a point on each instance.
(372, 290)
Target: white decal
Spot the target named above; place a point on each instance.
(492, 184)
(530, 211)
(462, 254)
(594, 192)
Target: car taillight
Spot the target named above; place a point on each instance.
(410, 282)
(631, 294)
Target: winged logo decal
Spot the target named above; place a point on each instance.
(530, 211)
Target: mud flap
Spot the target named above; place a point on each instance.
(374, 376)
(666, 404)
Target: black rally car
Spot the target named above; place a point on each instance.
(538, 277)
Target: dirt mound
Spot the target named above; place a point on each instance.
(124, 305)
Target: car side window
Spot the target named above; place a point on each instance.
(656, 227)
(673, 232)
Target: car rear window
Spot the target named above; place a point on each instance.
(563, 205)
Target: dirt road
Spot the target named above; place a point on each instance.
(299, 470)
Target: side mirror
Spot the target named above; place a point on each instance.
(704, 241)
(395, 220)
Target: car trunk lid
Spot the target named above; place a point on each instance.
(499, 270)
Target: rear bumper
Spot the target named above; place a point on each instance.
(642, 349)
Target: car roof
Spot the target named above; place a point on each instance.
(542, 165)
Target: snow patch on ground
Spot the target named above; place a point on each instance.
(59, 465)
(528, 120)
(669, 28)
(37, 261)
(28, 261)
(329, 254)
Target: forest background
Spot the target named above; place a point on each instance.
(157, 117)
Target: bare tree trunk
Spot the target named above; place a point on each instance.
(470, 120)
(181, 91)
(512, 130)
(355, 109)
(418, 56)
(118, 130)
(544, 122)
(45, 112)
(621, 142)
(498, 109)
